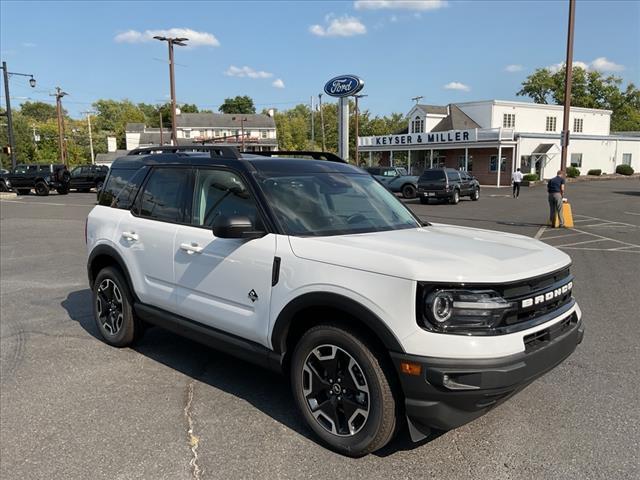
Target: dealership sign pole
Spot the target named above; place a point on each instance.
(343, 87)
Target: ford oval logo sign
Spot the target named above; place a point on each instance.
(343, 86)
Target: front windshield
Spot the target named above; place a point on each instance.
(334, 204)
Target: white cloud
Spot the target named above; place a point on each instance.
(601, 64)
(196, 39)
(605, 65)
(421, 5)
(245, 71)
(457, 86)
(513, 68)
(278, 83)
(344, 26)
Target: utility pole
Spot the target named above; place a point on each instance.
(324, 145)
(7, 96)
(161, 134)
(568, 79)
(93, 157)
(242, 120)
(357, 97)
(171, 42)
(313, 135)
(417, 99)
(61, 144)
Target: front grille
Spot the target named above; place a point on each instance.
(538, 339)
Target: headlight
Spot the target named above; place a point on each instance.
(457, 311)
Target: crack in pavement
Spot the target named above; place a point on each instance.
(191, 437)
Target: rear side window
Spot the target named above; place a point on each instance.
(453, 176)
(121, 187)
(432, 176)
(163, 196)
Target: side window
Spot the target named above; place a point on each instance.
(163, 196)
(221, 192)
(453, 176)
(76, 172)
(120, 187)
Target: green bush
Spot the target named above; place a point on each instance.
(596, 172)
(624, 170)
(531, 177)
(573, 172)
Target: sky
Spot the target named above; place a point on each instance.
(281, 53)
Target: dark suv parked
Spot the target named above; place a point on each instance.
(41, 177)
(447, 183)
(86, 177)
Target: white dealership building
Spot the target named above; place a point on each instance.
(492, 138)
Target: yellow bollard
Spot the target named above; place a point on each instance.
(566, 213)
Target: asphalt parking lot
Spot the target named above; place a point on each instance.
(72, 407)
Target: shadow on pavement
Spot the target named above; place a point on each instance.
(265, 390)
(633, 193)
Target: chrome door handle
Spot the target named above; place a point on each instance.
(131, 236)
(191, 248)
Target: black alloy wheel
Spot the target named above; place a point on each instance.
(345, 390)
(42, 189)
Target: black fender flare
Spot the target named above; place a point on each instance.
(109, 251)
(327, 299)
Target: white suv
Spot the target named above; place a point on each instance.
(312, 268)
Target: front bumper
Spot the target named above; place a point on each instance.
(449, 393)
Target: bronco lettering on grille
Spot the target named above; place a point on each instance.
(546, 297)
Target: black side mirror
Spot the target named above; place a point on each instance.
(235, 226)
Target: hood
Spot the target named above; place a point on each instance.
(437, 253)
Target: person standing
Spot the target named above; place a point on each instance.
(516, 178)
(555, 189)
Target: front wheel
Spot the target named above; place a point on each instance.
(42, 189)
(3, 187)
(409, 191)
(475, 196)
(455, 198)
(63, 190)
(344, 390)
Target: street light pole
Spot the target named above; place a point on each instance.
(324, 146)
(568, 79)
(61, 145)
(171, 42)
(357, 97)
(93, 157)
(7, 96)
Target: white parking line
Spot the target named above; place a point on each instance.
(47, 203)
(540, 232)
(603, 220)
(601, 249)
(632, 213)
(562, 236)
(582, 243)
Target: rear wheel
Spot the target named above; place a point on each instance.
(113, 309)
(42, 189)
(343, 388)
(475, 195)
(63, 190)
(455, 197)
(409, 191)
(99, 186)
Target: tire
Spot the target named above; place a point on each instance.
(63, 190)
(475, 195)
(424, 200)
(3, 187)
(123, 328)
(455, 198)
(99, 186)
(409, 191)
(367, 386)
(23, 191)
(42, 189)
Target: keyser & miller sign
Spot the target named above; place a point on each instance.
(450, 136)
(343, 86)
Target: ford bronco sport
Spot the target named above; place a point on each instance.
(314, 269)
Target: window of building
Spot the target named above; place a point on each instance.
(525, 163)
(626, 159)
(264, 134)
(577, 125)
(187, 133)
(163, 197)
(493, 164)
(216, 133)
(417, 125)
(551, 124)
(576, 160)
(461, 163)
(509, 120)
(221, 193)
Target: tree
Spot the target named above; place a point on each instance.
(39, 111)
(114, 115)
(589, 89)
(238, 104)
